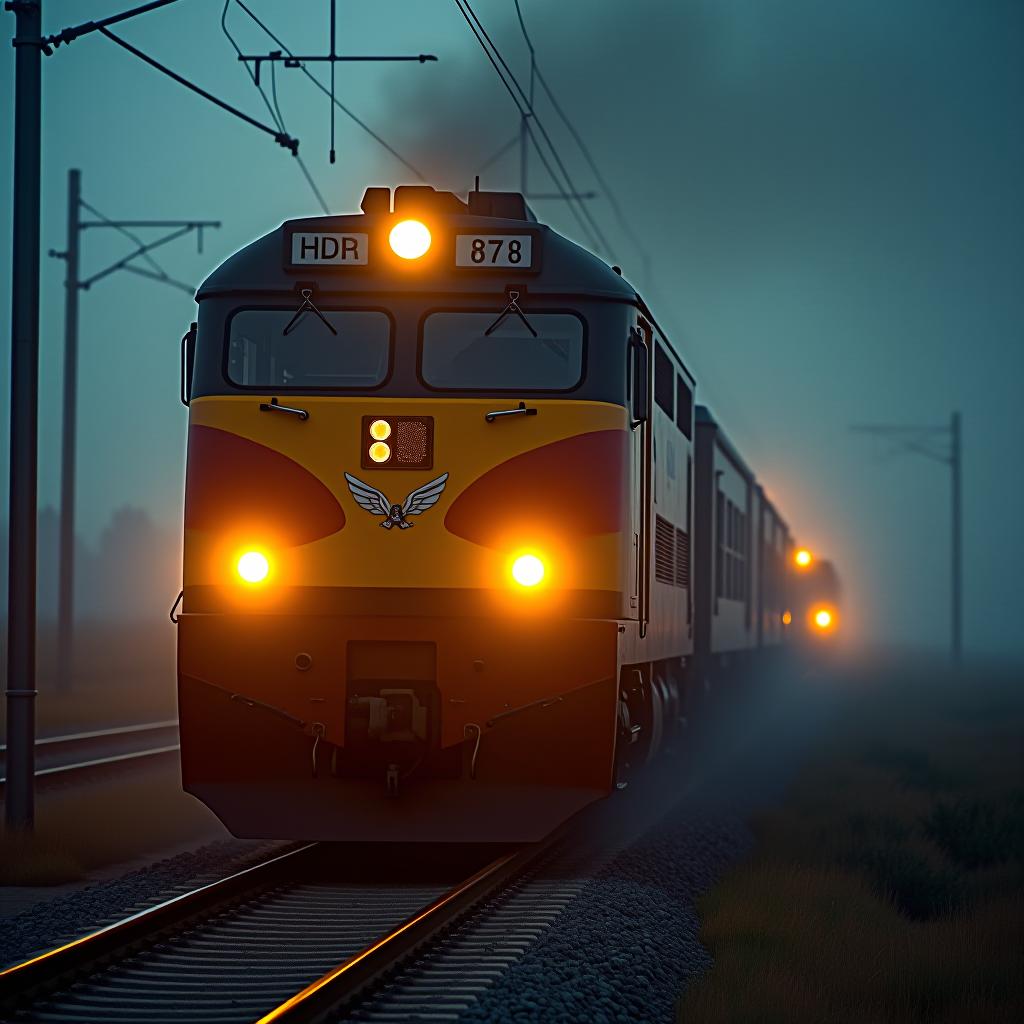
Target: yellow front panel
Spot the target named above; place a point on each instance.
(363, 554)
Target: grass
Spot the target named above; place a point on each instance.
(86, 827)
(888, 887)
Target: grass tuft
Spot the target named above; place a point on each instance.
(30, 860)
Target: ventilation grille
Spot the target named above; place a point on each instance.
(682, 558)
(671, 554)
(664, 551)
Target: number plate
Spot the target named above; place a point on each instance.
(494, 251)
(324, 248)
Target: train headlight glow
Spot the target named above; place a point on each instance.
(380, 430)
(803, 558)
(380, 452)
(253, 567)
(528, 570)
(409, 239)
(823, 619)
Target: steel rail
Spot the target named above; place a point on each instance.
(92, 748)
(79, 766)
(339, 985)
(121, 730)
(57, 966)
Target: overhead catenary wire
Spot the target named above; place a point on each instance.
(327, 92)
(248, 70)
(573, 192)
(158, 273)
(569, 193)
(282, 138)
(130, 235)
(512, 87)
(273, 108)
(607, 190)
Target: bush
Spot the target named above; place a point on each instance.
(917, 888)
(976, 833)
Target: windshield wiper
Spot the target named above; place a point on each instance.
(308, 307)
(512, 307)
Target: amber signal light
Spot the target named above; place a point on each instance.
(397, 442)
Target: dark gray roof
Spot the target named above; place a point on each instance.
(566, 268)
(704, 418)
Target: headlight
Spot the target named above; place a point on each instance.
(253, 567)
(528, 570)
(409, 239)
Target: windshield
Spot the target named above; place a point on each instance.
(477, 351)
(280, 348)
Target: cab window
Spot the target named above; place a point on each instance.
(482, 352)
(276, 348)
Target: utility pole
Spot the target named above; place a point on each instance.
(957, 574)
(66, 584)
(940, 444)
(73, 284)
(19, 802)
(30, 46)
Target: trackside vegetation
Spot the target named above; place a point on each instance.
(889, 885)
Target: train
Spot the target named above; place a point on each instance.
(461, 551)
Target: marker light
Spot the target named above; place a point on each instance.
(823, 618)
(380, 452)
(787, 618)
(803, 558)
(253, 567)
(528, 570)
(409, 239)
(380, 430)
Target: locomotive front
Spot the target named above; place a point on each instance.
(410, 526)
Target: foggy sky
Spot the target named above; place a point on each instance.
(828, 194)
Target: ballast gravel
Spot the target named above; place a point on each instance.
(627, 946)
(50, 923)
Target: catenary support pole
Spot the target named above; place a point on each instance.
(69, 440)
(957, 580)
(19, 795)
(940, 444)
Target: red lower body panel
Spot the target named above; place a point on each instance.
(378, 728)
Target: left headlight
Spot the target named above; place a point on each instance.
(253, 567)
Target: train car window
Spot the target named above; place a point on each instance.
(731, 551)
(664, 381)
(684, 408)
(719, 542)
(354, 352)
(473, 351)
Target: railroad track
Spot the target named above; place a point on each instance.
(63, 757)
(294, 938)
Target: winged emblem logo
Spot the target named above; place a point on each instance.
(376, 502)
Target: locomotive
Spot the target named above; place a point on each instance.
(460, 551)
